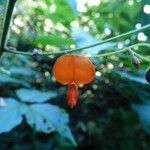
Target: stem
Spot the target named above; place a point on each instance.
(122, 50)
(142, 57)
(8, 49)
(100, 55)
(109, 53)
(3, 6)
(7, 22)
(127, 49)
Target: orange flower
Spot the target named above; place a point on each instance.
(73, 70)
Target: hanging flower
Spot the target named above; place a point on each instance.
(73, 70)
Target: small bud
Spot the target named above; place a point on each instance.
(136, 62)
(35, 52)
(147, 74)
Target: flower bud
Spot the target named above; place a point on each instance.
(35, 52)
(136, 62)
(147, 74)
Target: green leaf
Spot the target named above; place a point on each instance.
(48, 118)
(5, 79)
(142, 93)
(11, 115)
(15, 70)
(43, 117)
(137, 76)
(55, 40)
(32, 95)
(143, 111)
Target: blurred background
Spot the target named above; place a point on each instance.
(113, 111)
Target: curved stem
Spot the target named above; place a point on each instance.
(122, 50)
(142, 57)
(109, 53)
(126, 49)
(11, 50)
(106, 54)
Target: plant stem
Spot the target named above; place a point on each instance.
(12, 50)
(109, 53)
(142, 57)
(7, 22)
(122, 50)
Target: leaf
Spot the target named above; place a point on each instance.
(66, 17)
(143, 111)
(32, 95)
(56, 40)
(43, 117)
(142, 93)
(22, 71)
(134, 76)
(83, 39)
(8, 79)
(48, 118)
(11, 115)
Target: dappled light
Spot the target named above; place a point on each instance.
(74, 75)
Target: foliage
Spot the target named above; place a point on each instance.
(36, 115)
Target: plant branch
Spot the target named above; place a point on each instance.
(7, 22)
(127, 49)
(142, 57)
(122, 50)
(13, 50)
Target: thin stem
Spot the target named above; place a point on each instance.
(122, 50)
(7, 22)
(142, 57)
(11, 50)
(109, 53)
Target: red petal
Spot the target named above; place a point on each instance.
(72, 94)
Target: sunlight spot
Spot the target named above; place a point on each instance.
(18, 21)
(127, 42)
(97, 73)
(60, 27)
(130, 2)
(81, 4)
(120, 65)
(110, 65)
(75, 23)
(107, 31)
(120, 45)
(88, 55)
(106, 81)
(85, 19)
(138, 26)
(14, 28)
(142, 37)
(88, 92)
(47, 74)
(81, 85)
(146, 9)
(48, 23)
(95, 87)
(93, 2)
(53, 8)
(53, 79)
(86, 29)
